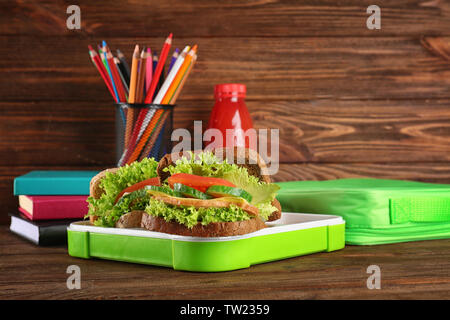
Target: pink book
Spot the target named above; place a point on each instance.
(53, 207)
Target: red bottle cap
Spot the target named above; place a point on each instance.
(227, 90)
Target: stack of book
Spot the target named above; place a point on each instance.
(48, 202)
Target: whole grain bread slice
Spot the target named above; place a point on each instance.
(129, 220)
(95, 189)
(213, 229)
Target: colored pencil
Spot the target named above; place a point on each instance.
(122, 77)
(159, 67)
(155, 62)
(101, 69)
(156, 148)
(123, 62)
(151, 112)
(180, 74)
(132, 95)
(149, 73)
(115, 78)
(134, 75)
(115, 74)
(116, 94)
(141, 76)
(102, 56)
(145, 123)
(171, 76)
(104, 66)
(174, 58)
(160, 82)
(180, 86)
(122, 70)
(145, 137)
(150, 142)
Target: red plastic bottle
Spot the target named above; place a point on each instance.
(230, 112)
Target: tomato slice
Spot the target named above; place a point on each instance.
(197, 182)
(137, 186)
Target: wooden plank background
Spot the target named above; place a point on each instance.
(349, 102)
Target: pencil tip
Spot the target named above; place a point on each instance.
(90, 47)
(169, 39)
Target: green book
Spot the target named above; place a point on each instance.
(54, 183)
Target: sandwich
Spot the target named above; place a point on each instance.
(203, 194)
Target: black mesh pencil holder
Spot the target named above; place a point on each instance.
(139, 137)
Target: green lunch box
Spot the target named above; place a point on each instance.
(292, 235)
(376, 211)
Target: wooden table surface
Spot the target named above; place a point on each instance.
(414, 270)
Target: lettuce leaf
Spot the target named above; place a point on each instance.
(136, 200)
(112, 184)
(126, 176)
(190, 216)
(202, 164)
(262, 193)
(265, 209)
(207, 164)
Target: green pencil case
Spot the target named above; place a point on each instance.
(376, 211)
(292, 235)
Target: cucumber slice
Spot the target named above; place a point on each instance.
(141, 193)
(163, 189)
(224, 191)
(190, 192)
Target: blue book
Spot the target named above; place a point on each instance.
(53, 183)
